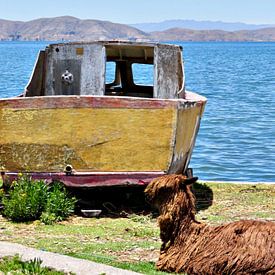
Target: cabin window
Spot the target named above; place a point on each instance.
(110, 72)
(143, 74)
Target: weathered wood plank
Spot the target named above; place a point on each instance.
(168, 76)
(85, 62)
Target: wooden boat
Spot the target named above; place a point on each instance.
(73, 124)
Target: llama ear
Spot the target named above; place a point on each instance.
(189, 181)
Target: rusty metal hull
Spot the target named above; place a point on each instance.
(104, 139)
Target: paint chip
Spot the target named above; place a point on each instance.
(79, 51)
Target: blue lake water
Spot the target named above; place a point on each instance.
(237, 135)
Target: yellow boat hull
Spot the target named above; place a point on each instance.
(97, 134)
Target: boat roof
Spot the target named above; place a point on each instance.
(118, 43)
(123, 50)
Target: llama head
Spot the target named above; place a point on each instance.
(166, 189)
(172, 196)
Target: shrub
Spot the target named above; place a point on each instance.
(26, 200)
(59, 204)
(29, 200)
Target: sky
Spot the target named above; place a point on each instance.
(140, 11)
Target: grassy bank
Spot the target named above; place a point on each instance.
(133, 242)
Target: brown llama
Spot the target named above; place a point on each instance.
(242, 247)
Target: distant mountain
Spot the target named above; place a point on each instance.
(67, 28)
(72, 29)
(178, 34)
(197, 25)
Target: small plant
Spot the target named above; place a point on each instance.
(10, 264)
(48, 218)
(30, 200)
(59, 205)
(14, 265)
(33, 267)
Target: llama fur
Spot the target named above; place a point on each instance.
(242, 247)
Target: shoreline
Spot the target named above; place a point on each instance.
(237, 182)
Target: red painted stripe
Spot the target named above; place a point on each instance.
(52, 102)
(93, 179)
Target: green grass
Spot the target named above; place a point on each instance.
(233, 202)
(133, 243)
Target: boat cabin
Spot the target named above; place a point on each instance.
(108, 69)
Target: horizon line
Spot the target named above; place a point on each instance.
(135, 23)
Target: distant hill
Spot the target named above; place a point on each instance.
(71, 29)
(178, 34)
(197, 25)
(67, 28)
